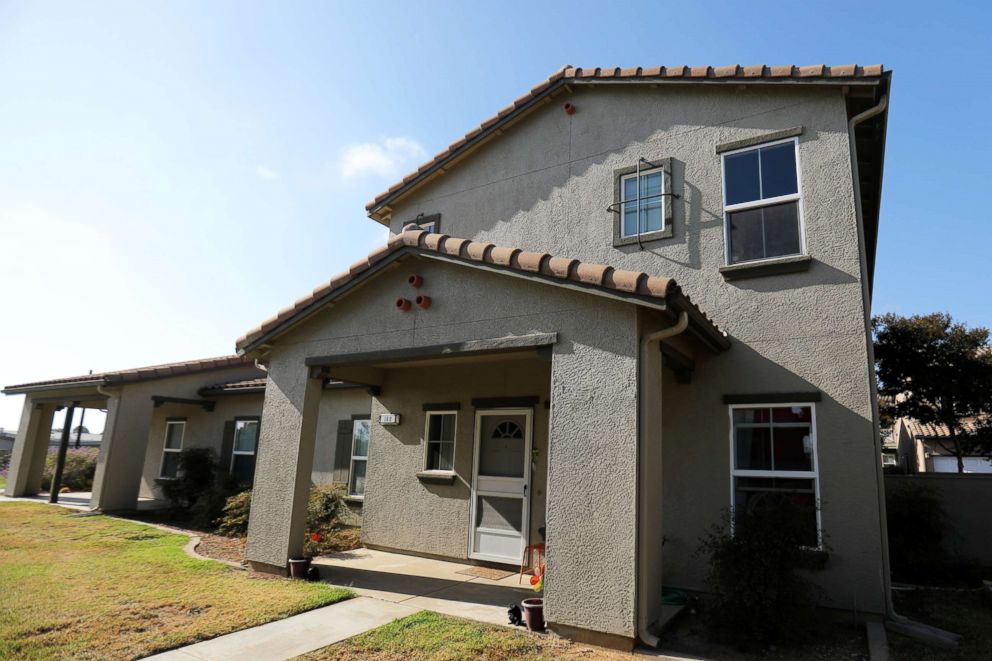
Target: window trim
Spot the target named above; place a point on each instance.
(351, 465)
(234, 442)
(664, 165)
(165, 448)
(427, 441)
(802, 475)
(796, 197)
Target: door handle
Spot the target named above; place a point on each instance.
(525, 489)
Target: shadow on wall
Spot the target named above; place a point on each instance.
(697, 474)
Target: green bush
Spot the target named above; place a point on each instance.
(200, 489)
(77, 472)
(759, 594)
(323, 504)
(322, 517)
(194, 477)
(916, 522)
(233, 521)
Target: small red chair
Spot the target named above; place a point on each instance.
(537, 568)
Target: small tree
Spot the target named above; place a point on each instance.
(938, 372)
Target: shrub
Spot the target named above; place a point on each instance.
(194, 476)
(323, 533)
(322, 517)
(233, 522)
(77, 472)
(759, 595)
(916, 523)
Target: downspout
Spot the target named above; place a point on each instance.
(647, 341)
(852, 124)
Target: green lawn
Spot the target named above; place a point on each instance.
(94, 587)
(965, 612)
(428, 636)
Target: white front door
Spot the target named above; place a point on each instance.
(501, 485)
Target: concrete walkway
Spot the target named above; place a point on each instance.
(285, 639)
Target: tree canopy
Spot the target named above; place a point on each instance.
(938, 371)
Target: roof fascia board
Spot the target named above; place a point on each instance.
(467, 348)
(27, 389)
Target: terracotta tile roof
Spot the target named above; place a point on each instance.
(925, 431)
(233, 387)
(635, 284)
(758, 73)
(135, 374)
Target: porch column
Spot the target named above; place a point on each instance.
(592, 480)
(277, 522)
(27, 461)
(122, 452)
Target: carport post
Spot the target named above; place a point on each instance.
(53, 494)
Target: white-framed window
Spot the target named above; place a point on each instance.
(889, 459)
(172, 447)
(360, 432)
(772, 454)
(762, 204)
(244, 450)
(439, 439)
(644, 207)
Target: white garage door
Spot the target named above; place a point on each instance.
(971, 465)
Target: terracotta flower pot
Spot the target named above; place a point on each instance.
(298, 567)
(534, 613)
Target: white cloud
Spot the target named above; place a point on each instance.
(266, 173)
(389, 157)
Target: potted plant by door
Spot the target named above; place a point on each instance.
(299, 567)
(534, 607)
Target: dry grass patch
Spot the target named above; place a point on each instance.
(93, 587)
(429, 636)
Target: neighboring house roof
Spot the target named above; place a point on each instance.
(932, 431)
(634, 286)
(85, 439)
(244, 386)
(733, 74)
(131, 375)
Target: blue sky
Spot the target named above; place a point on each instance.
(172, 173)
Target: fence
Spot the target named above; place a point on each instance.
(967, 501)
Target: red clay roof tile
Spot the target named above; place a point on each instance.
(557, 268)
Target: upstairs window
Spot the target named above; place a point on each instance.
(172, 448)
(761, 202)
(440, 439)
(644, 207)
(244, 450)
(360, 432)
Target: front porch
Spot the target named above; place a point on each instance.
(424, 583)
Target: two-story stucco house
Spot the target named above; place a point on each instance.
(631, 300)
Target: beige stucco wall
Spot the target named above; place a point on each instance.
(545, 185)
(206, 429)
(406, 513)
(592, 437)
